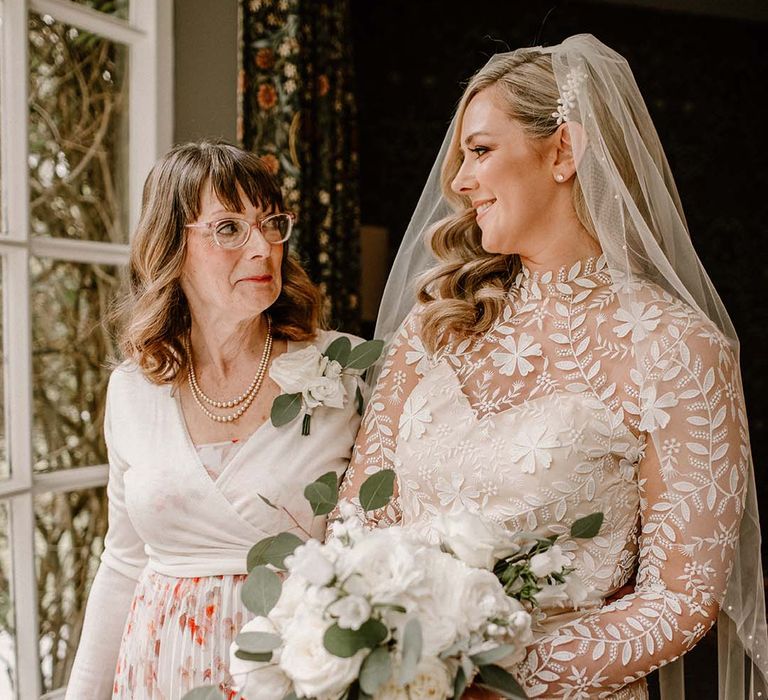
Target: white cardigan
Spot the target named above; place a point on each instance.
(166, 513)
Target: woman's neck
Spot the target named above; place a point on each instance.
(563, 246)
(219, 346)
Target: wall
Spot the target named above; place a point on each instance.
(205, 71)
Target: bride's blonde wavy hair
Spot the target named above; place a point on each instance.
(465, 291)
(153, 315)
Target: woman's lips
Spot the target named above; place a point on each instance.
(257, 278)
(482, 209)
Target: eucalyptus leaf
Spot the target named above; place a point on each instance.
(339, 350)
(377, 490)
(485, 658)
(330, 479)
(587, 527)
(285, 408)
(345, 642)
(245, 656)
(500, 681)
(375, 671)
(280, 547)
(267, 501)
(459, 683)
(261, 591)
(257, 553)
(412, 644)
(205, 692)
(322, 497)
(365, 354)
(258, 642)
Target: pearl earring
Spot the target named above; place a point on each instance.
(559, 177)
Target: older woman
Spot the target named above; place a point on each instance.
(215, 299)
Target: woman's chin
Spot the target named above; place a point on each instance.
(495, 244)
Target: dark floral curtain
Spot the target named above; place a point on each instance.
(297, 111)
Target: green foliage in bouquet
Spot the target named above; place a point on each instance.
(515, 573)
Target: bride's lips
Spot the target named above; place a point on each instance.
(482, 206)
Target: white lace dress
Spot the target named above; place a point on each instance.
(547, 418)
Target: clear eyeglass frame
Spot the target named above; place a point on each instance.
(274, 229)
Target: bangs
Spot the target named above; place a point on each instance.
(225, 167)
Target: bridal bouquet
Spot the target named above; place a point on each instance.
(385, 615)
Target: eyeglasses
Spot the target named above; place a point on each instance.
(234, 233)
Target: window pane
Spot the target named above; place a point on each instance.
(70, 351)
(7, 647)
(69, 538)
(118, 8)
(78, 133)
(4, 466)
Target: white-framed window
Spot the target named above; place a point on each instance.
(85, 109)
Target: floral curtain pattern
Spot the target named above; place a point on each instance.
(297, 111)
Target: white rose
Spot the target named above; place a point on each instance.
(292, 595)
(392, 691)
(294, 371)
(552, 595)
(309, 561)
(315, 672)
(550, 562)
(351, 610)
(323, 391)
(385, 565)
(482, 598)
(476, 540)
(259, 680)
(433, 679)
(439, 602)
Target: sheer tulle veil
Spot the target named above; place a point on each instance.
(637, 215)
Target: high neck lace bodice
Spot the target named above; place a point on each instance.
(582, 396)
(570, 279)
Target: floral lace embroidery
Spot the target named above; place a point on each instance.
(586, 391)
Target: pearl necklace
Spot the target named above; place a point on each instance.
(245, 399)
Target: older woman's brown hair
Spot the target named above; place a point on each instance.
(153, 315)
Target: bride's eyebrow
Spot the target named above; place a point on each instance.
(469, 139)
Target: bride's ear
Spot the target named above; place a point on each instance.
(569, 143)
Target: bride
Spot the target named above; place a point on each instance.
(568, 354)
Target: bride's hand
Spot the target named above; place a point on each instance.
(475, 692)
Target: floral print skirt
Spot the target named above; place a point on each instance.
(177, 636)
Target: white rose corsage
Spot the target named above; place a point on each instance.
(311, 378)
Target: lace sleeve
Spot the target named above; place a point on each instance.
(374, 448)
(692, 482)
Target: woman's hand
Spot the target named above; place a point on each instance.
(475, 692)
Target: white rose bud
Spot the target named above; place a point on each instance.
(347, 509)
(309, 562)
(550, 562)
(352, 611)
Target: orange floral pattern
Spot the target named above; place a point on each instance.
(178, 635)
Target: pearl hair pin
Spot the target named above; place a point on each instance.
(569, 93)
